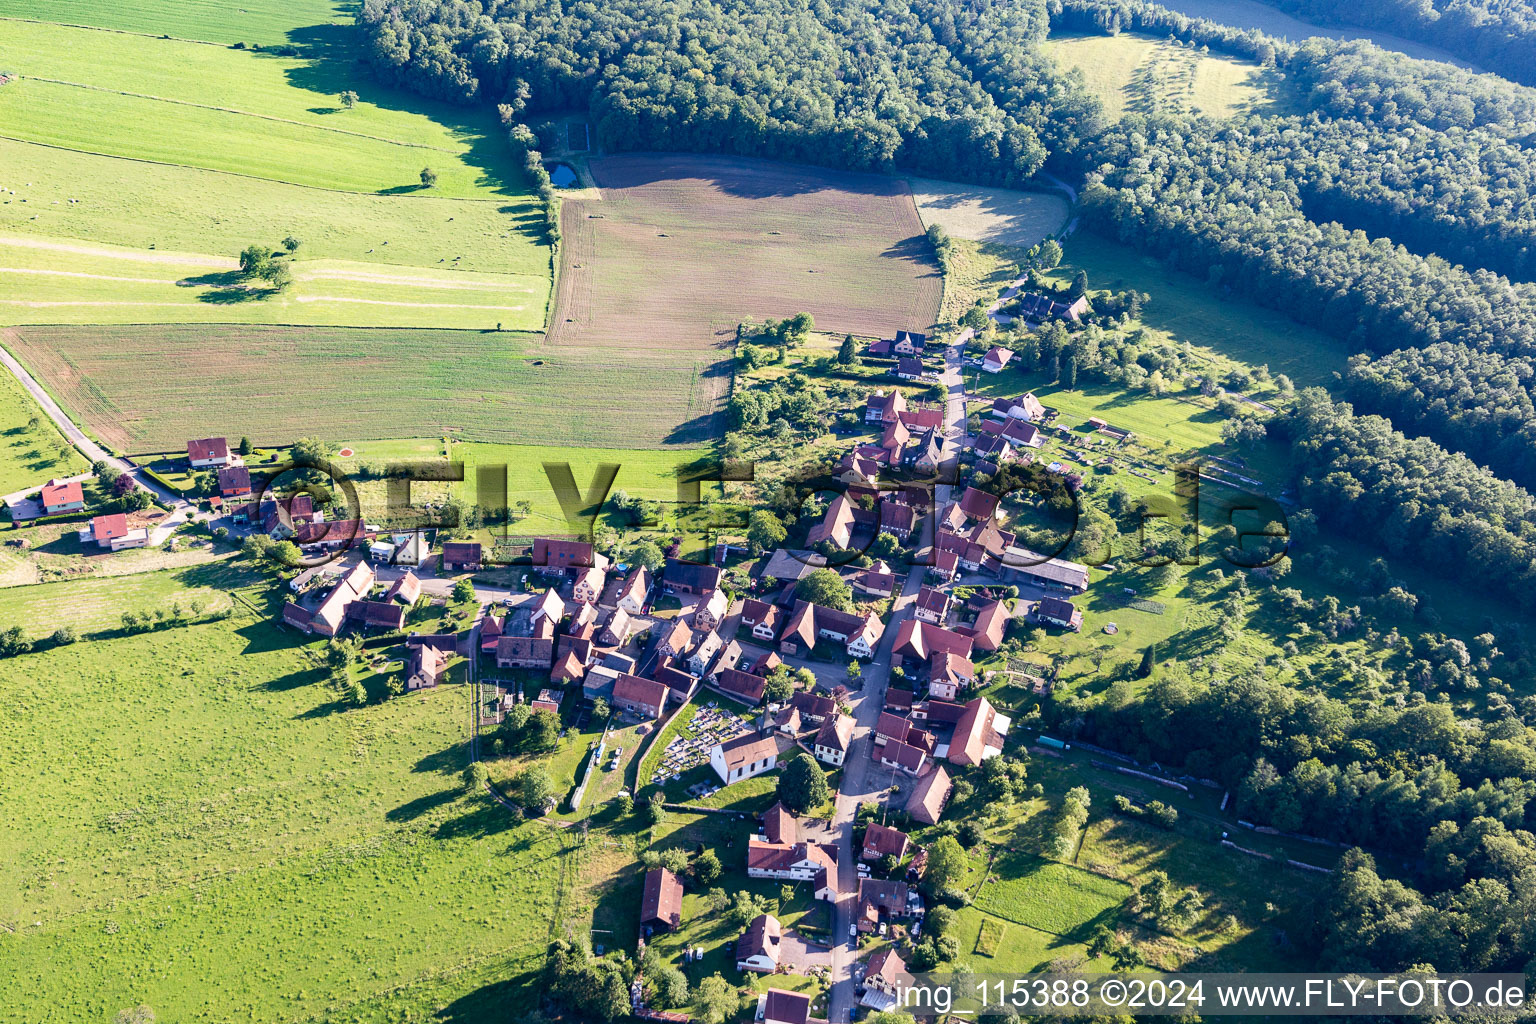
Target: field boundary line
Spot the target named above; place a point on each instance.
(236, 110)
(258, 177)
(126, 31)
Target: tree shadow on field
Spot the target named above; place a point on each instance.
(413, 809)
(447, 761)
(483, 818)
(234, 296)
(218, 279)
(332, 61)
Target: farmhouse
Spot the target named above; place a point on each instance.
(885, 407)
(526, 641)
(234, 482)
(632, 590)
(833, 739)
(59, 496)
(644, 697)
(743, 757)
(857, 633)
(758, 948)
(813, 707)
(979, 733)
(704, 653)
(1056, 611)
(661, 907)
(880, 841)
(328, 617)
(883, 976)
(710, 612)
(424, 667)
(796, 862)
(587, 585)
(836, 525)
(114, 532)
(1050, 573)
(918, 641)
(384, 614)
(208, 453)
(743, 684)
(1039, 308)
(675, 641)
(461, 556)
(926, 804)
(948, 674)
(1025, 407)
(990, 625)
(932, 605)
(995, 359)
(777, 825)
(691, 577)
(567, 554)
(903, 756)
(878, 899)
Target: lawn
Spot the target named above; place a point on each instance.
(979, 214)
(192, 816)
(266, 22)
(30, 456)
(1144, 75)
(61, 284)
(275, 384)
(183, 209)
(994, 946)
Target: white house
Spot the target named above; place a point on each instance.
(796, 862)
(744, 757)
(995, 359)
(208, 452)
(833, 739)
(758, 948)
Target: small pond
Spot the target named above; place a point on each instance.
(562, 176)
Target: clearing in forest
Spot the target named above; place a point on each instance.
(982, 214)
(1143, 75)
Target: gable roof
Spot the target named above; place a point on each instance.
(743, 684)
(887, 965)
(903, 754)
(975, 733)
(779, 825)
(207, 448)
(991, 624)
(640, 691)
(886, 895)
(922, 640)
(761, 938)
(978, 504)
(783, 1007)
(910, 367)
(836, 733)
(747, 749)
(234, 478)
(461, 551)
(663, 899)
(58, 492)
(929, 796)
(998, 356)
(884, 842)
(563, 554)
(691, 574)
(109, 527)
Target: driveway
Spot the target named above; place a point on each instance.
(801, 954)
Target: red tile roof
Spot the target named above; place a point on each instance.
(207, 448)
(107, 528)
(56, 492)
(663, 899)
(647, 692)
(880, 841)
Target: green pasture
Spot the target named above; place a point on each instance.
(265, 22)
(193, 815)
(1043, 894)
(142, 128)
(97, 604)
(145, 206)
(1138, 73)
(30, 456)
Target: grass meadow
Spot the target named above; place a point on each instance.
(193, 817)
(1046, 895)
(980, 214)
(265, 22)
(274, 384)
(1145, 75)
(30, 456)
(97, 605)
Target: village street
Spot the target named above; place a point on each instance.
(862, 779)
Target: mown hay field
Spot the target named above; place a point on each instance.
(265, 22)
(50, 282)
(191, 817)
(1144, 75)
(979, 214)
(97, 604)
(277, 384)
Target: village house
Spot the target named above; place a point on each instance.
(902, 756)
(208, 453)
(918, 641)
(762, 617)
(59, 496)
(931, 605)
(460, 556)
(710, 613)
(949, 674)
(744, 757)
(566, 554)
(424, 667)
(990, 626)
(616, 632)
(632, 590)
(979, 733)
(644, 697)
(336, 535)
(885, 407)
(879, 901)
(526, 641)
(779, 1006)
(728, 660)
(234, 482)
(674, 641)
(1025, 407)
(1038, 308)
(909, 369)
(661, 905)
(704, 653)
(691, 577)
(368, 614)
(331, 614)
(883, 978)
(758, 948)
(977, 505)
(909, 343)
(675, 679)
(877, 580)
(1055, 611)
(880, 841)
(1018, 433)
(745, 685)
(587, 585)
(833, 739)
(995, 359)
(858, 634)
(814, 708)
(796, 862)
(928, 797)
(114, 532)
(778, 825)
(924, 451)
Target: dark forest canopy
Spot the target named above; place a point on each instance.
(931, 85)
